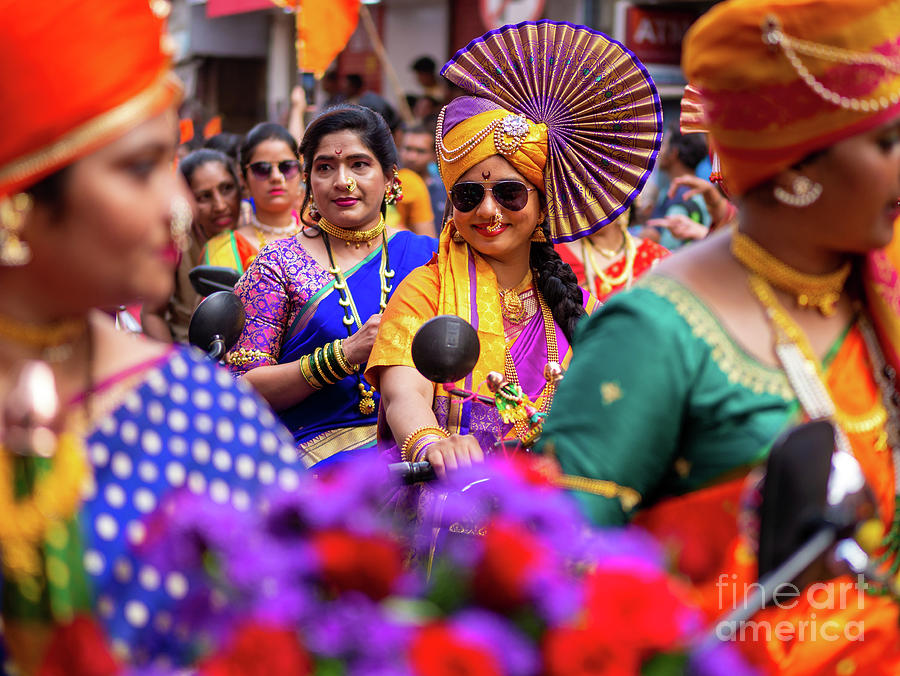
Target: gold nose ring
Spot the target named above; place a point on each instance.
(351, 184)
(497, 222)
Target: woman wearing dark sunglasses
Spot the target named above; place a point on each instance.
(314, 301)
(270, 169)
(497, 267)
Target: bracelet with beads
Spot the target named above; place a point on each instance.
(416, 435)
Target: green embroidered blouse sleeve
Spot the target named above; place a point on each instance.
(659, 400)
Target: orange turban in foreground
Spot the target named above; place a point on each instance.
(782, 78)
(75, 75)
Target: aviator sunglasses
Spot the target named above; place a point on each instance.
(287, 168)
(511, 195)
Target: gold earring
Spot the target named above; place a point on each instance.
(454, 232)
(13, 212)
(538, 235)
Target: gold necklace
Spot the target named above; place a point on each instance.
(612, 254)
(356, 236)
(821, 292)
(54, 340)
(524, 432)
(607, 283)
(25, 524)
(511, 306)
(871, 421)
(351, 314)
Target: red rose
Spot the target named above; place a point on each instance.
(436, 650)
(78, 649)
(581, 652)
(367, 564)
(257, 650)
(642, 609)
(508, 562)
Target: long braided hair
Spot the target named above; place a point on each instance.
(557, 283)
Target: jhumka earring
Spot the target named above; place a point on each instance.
(454, 233)
(180, 222)
(538, 235)
(13, 211)
(314, 210)
(394, 192)
(804, 191)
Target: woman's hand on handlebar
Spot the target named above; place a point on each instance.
(358, 346)
(454, 452)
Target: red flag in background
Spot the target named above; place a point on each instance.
(323, 30)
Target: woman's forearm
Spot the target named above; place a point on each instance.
(406, 398)
(281, 385)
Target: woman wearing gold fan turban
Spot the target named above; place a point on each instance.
(519, 173)
(793, 315)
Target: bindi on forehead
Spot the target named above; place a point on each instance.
(337, 151)
(485, 175)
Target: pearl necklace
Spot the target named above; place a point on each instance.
(284, 231)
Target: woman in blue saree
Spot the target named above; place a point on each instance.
(314, 301)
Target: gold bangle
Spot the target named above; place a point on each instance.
(418, 434)
(317, 368)
(307, 373)
(337, 376)
(342, 358)
(417, 452)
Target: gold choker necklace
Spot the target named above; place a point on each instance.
(55, 339)
(355, 236)
(821, 292)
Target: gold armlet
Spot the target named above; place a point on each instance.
(243, 356)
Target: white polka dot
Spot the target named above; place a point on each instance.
(176, 585)
(129, 432)
(227, 401)
(105, 606)
(248, 408)
(150, 442)
(222, 460)
(266, 417)
(178, 393)
(148, 471)
(224, 430)
(99, 454)
(240, 499)
(123, 570)
(266, 473)
(269, 442)
(202, 399)
(149, 578)
(94, 563)
(247, 435)
(156, 412)
(218, 491)
(136, 614)
(288, 479)
(178, 420)
(196, 482)
(175, 473)
(133, 402)
(109, 425)
(106, 526)
(157, 383)
(203, 423)
(114, 495)
(245, 466)
(144, 500)
(163, 621)
(179, 367)
(223, 378)
(201, 451)
(288, 454)
(121, 465)
(136, 532)
(200, 373)
(178, 446)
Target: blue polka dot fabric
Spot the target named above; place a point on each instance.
(189, 426)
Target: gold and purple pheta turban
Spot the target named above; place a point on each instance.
(471, 129)
(780, 79)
